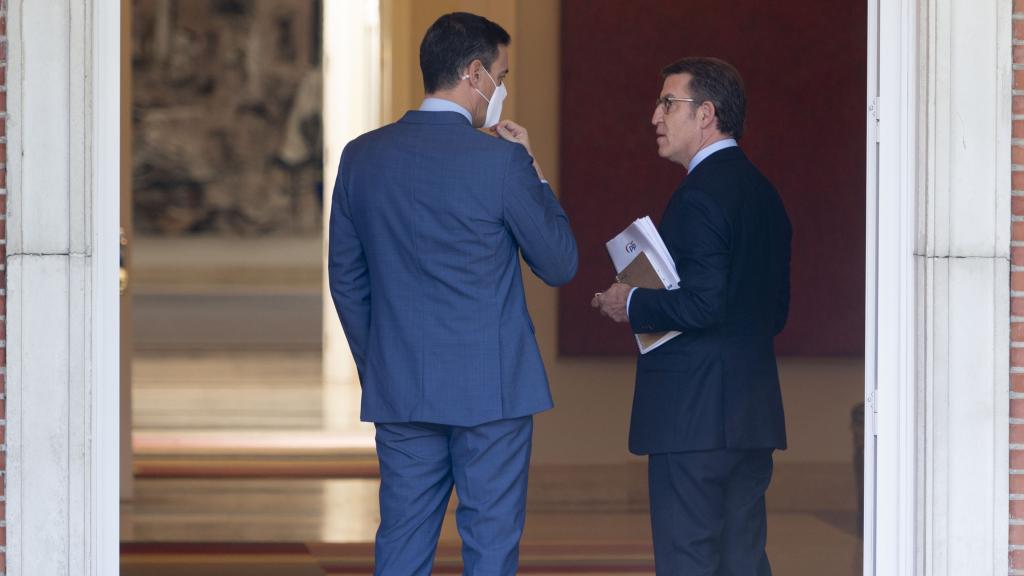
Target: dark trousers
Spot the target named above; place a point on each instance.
(419, 465)
(708, 513)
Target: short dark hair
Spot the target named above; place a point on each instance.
(716, 81)
(452, 43)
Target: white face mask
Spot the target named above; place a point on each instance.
(494, 102)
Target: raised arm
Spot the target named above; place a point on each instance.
(537, 221)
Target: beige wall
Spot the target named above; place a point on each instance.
(593, 396)
(403, 23)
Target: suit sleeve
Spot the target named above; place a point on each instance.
(537, 221)
(348, 274)
(700, 247)
(782, 296)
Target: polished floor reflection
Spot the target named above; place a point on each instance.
(239, 413)
(236, 474)
(242, 390)
(291, 527)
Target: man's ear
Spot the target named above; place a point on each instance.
(707, 111)
(473, 71)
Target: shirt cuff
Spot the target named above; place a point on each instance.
(630, 299)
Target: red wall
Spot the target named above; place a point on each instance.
(804, 64)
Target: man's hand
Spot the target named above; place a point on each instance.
(612, 302)
(513, 132)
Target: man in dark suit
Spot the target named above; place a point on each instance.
(428, 220)
(707, 407)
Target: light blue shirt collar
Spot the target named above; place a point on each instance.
(709, 150)
(442, 105)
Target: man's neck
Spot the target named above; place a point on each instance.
(455, 96)
(715, 138)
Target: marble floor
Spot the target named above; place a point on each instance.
(179, 391)
(236, 475)
(335, 519)
(219, 432)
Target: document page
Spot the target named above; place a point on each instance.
(641, 259)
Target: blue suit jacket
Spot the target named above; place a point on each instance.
(428, 220)
(716, 385)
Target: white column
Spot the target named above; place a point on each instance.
(962, 255)
(62, 515)
(352, 68)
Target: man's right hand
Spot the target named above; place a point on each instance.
(513, 132)
(509, 130)
(612, 302)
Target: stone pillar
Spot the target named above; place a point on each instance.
(961, 255)
(63, 96)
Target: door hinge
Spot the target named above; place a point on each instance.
(871, 412)
(876, 117)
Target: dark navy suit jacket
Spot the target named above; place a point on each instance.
(428, 220)
(716, 385)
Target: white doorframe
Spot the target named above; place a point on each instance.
(870, 289)
(63, 127)
(105, 313)
(889, 354)
(937, 333)
(890, 415)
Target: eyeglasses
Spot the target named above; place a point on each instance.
(666, 102)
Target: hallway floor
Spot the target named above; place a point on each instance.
(298, 527)
(235, 475)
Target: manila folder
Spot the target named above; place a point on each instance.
(641, 273)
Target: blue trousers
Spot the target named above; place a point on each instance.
(708, 512)
(419, 465)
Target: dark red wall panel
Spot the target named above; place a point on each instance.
(804, 64)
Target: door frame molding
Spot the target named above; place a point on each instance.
(937, 307)
(890, 489)
(62, 386)
(105, 313)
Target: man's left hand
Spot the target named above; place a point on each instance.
(612, 302)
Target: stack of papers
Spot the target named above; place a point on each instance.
(641, 259)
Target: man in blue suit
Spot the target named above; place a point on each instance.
(428, 220)
(707, 408)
